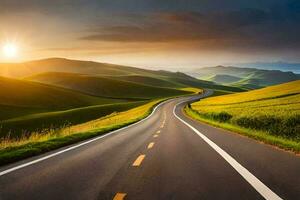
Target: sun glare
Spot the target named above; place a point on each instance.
(10, 50)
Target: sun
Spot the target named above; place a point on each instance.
(10, 50)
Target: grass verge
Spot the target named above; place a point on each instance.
(278, 141)
(11, 151)
(53, 120)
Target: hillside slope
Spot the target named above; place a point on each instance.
(66, 98)
(159, 78)
(38, 122)
(77, 66)
(65, 65)
(223, 78)
(104, 86)
(19, 97)
(274, 109)
(148, 80)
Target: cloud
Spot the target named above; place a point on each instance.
(251, 27)
(247, 28)
(181, 26)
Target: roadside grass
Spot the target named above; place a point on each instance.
(12, 150)
(34, 143)
(25, 125)
(281, 142)
(270, 114)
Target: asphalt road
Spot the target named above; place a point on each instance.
(159, 158)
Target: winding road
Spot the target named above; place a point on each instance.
(166, 156)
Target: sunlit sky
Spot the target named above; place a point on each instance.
(152, 33)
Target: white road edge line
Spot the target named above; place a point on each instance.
(81, 144)
(259, 186)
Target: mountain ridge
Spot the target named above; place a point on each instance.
(255, 77)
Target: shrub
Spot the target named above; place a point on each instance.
(220, 117)
(287, 127)
(259, 122)
(292, 126)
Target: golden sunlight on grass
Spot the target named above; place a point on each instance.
(115, 119)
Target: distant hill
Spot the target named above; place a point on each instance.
(248, 83)
(158, 78)
(26, 69)
(65, 65)
(51, 93)
(223, 78)
(249, 78)
(282, 66)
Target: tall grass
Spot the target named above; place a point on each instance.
(42, 122)
(274, 110)
(288, 127)
(278, 140)
(67, 129)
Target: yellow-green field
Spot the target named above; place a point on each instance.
(280, 100)
(111, 120)
(273, 111)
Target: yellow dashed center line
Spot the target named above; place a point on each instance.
(150, 145)
(139, 160)
(119, 196)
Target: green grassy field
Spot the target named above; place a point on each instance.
(37, 143)
(222, 78)
(20, 97)
(41, 122)
(105, 86)
(149, 80)
(274, 111)
(28, 106)
(45, 102)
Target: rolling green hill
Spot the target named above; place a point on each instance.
(248, 83)
(68, 99)
(19, 97)
(223, 78)
(153, 78)
(105, 87)
(274, 110)
(39, 122)
(249, 78)
(65, 65)
(57, 91)
(177, 80)
(205, 84)
(76, 66)
(148, 80)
